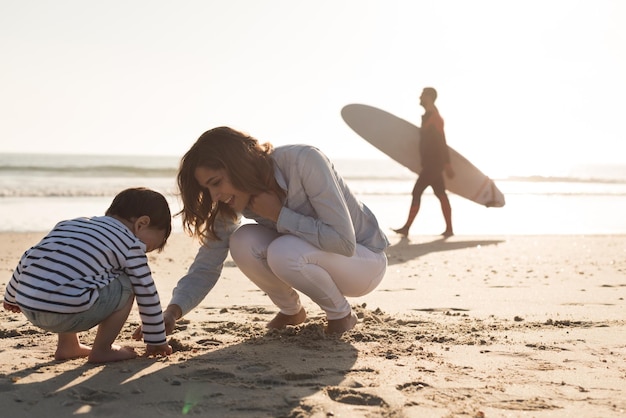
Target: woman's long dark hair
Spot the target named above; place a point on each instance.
(247, 163)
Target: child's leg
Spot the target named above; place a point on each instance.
(103, 349)
(70, 347)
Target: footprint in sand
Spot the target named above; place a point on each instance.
(354, 397)
(210, 375)
(412, 387)
(93, 396)
(254, 368)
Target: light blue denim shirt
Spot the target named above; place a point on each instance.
(319, 208)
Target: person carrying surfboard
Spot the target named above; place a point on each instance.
(435, 160)
(309, 234)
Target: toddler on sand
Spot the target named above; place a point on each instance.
(88, 272)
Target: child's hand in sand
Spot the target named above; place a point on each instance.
(158, 350)
(12, 308)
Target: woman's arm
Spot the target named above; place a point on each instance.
(330, 228)
(204, 272)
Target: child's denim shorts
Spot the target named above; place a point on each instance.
(112, 298)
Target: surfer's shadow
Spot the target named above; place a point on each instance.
(404, 250)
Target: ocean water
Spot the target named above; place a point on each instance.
(37, 191)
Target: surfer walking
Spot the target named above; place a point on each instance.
(435, 161)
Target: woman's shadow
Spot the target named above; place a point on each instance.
(265, 374)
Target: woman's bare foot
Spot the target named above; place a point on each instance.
(339, 326)
(447, 233)
(115, 353)
(281, 320)
(72, 351)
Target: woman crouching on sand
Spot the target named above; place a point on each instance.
(311, 234)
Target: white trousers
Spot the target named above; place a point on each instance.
(281, 264)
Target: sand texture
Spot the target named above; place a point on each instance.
(472, 326)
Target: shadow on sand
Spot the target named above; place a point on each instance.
(404, 250)
(261, 376)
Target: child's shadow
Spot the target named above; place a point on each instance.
(268, 374)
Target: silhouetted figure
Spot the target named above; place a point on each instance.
(435, 160)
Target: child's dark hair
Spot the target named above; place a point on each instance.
(133, 203)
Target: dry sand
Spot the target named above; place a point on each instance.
(473, 326)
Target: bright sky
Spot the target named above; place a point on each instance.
(524, 86)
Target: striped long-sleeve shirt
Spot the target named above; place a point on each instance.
(65, 270)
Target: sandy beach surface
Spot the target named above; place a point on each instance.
(472, 326)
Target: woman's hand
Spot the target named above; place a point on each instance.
(266, 205)
(170, 315)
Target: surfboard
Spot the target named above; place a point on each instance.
(399, 139)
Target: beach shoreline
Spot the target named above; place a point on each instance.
(476, 326)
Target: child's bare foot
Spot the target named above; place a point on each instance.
(281, 320)
(339, 326)
(404, 231)
(72, 351)
(447, 233)
(115, 353)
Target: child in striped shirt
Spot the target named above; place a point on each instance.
(89, 271)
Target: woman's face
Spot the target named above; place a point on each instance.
(217, 182)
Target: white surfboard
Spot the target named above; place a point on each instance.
(399, 139)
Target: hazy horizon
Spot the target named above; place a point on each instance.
(533, 86)
(14, 162)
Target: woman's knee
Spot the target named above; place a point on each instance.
(249, 239)
(284, 253)
(243, 233)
